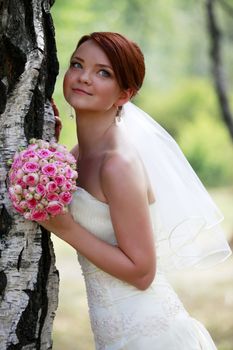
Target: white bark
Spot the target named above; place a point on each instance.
(28, 277)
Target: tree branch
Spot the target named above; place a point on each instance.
(217, 65)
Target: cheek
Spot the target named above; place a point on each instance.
(66, 83)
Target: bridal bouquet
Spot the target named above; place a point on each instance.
(42, 179)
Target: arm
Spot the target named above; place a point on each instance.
(75, 151)
(133, 260)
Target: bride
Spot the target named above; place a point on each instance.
(139, 210)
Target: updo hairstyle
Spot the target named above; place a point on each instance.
(125, 56)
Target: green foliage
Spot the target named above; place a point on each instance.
(173, 108)
(207, 146)
(189, 112)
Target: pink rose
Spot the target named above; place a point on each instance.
(59, 164)
(44, 153)
(60, 180)
(30, 167)
(28, 196)
(51, 186)
(61, 171)
(44, 179)
(43, 162)
(62, 148)
(49, 169)
(12, 176)
(31, 189)
(21, 183)
(18, 208)
(11, 190)
(28, 153)
(37, 196)
(43, 144)
(44, 202)
(15, 198)
(68, 172)
(67, 186)
(40, 189)
(31, 203)
(39, 206)
(70, 158)
(27, 216)
(39, 215)
(53, 148)
(25, 192)
(16, 156)
(33, 159)
(73, 188)
(17, 163)
(19, 173)
(23, 205)
(65, 197)
(33, 146)
(74, 174)
(52, 197)
(55, 208)
(18, 189)
(59, 156)
(32, 179)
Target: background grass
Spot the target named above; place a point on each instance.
(207, 295)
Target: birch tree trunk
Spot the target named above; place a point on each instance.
(28, 69)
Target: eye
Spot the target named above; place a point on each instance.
(104, 73)
(75, 64)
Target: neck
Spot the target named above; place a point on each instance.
(91, 128)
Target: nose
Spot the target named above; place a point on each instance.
(85, 76)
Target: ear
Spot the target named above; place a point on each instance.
(124, 96)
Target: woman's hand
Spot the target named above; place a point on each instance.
(58, 127)
(58, 122)
(60, 225)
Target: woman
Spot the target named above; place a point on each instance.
(128, 202)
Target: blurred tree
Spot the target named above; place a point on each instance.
(28, 277)
(215, 36)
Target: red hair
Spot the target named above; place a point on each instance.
(125, 56)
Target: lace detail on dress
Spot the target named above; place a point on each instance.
(122, 323)
(115, 317)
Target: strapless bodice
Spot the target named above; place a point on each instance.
(94, 215)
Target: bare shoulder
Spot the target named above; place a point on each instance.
(122, 174)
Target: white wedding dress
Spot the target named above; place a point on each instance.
(123, 317)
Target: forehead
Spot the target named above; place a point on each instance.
(91, 51)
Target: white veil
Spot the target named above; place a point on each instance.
(191, 235)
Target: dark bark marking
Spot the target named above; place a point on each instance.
(34, 119)
(3, 283)
(5, 222)
(20, 259)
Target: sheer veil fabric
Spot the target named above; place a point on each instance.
(192, 234)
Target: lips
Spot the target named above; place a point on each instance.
(81, 91)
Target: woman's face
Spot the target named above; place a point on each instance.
(90, 83)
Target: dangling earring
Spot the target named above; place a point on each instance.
(71, 113)
(118, 117)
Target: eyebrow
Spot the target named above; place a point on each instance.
(97, 64)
